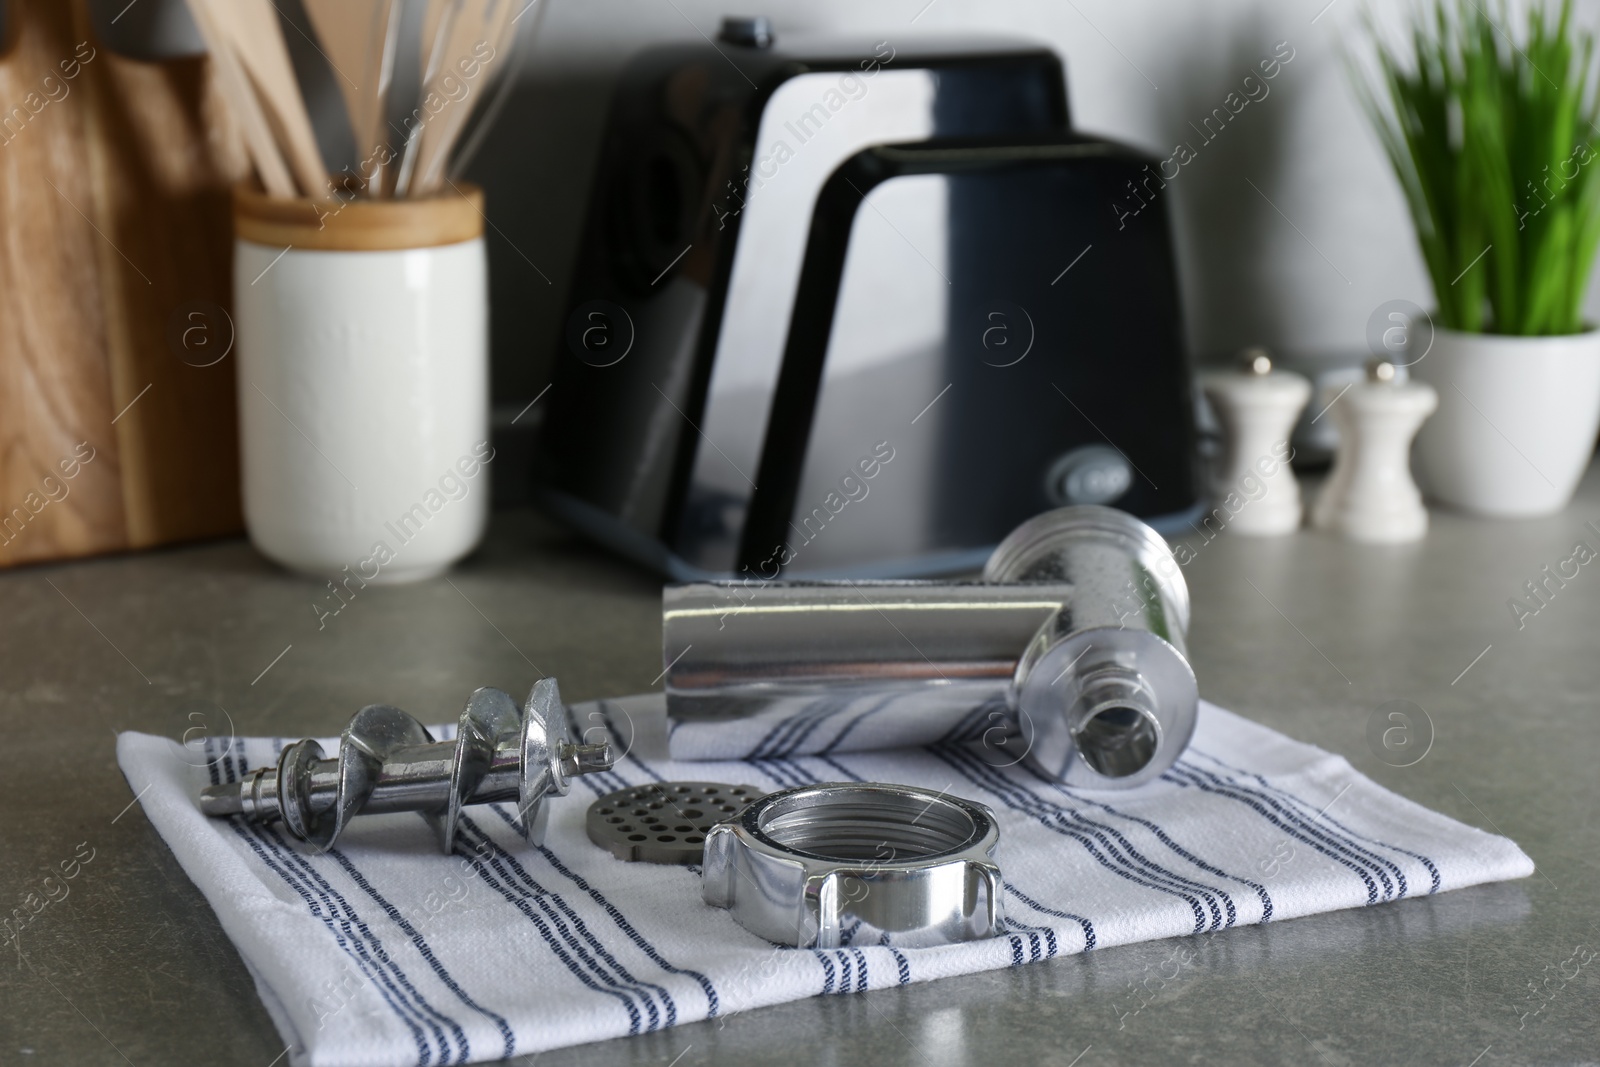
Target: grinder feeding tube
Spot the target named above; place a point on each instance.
(1069, 653)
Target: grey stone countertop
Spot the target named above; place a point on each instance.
(1307, 634)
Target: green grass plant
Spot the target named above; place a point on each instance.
(1494, 141)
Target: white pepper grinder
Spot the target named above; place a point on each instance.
(1254, 491)
(1370, 495)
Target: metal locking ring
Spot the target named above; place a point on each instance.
(849, 862)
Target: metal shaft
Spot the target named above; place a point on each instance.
(387, 762)
(775, 651)
(1076, 633)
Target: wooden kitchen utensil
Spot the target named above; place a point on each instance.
(235, 85)
(514, 38)
(437, 18)
(480, 23)
(252, 27)
(359, 37)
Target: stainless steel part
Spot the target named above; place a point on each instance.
(388, 762)
(1077, 632)
(801, 866)
(664, 822)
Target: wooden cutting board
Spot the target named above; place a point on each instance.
(117, 421)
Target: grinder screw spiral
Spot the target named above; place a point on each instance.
(387, 761)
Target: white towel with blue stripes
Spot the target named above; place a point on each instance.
(384, 951)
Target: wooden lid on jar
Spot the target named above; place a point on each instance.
(347, 223)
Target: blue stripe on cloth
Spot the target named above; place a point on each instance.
(773, 743)
(798, 772)
(987, 775)
(1182, 775)
(1162, 836)
(962, 730)
(622, 921)
(1033, 943)
(791, 732)
(852, 968)
(1084, 924)
(549, 899)
(780, 771)
(827, 970)
(299, 873)
(1433, 871)
(1132, 866)
(271, 852)
(423, 948)
(518, 898)
(428, 1013)
(844, 773)
(362, 962)
(839, 737)
(602, 963)
(902, 965)
(1328, 832)
(430, 1016)
(1378, 865)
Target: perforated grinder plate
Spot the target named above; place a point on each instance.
(664, 822)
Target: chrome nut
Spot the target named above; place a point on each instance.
(851, 862)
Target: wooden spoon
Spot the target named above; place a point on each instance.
(242, 101)
(509, 61)
(437, 19)
(360, 37)
(253, 27)
(478, 23)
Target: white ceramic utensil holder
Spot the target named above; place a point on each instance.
(362, 339)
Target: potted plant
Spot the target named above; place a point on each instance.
(1496, 146)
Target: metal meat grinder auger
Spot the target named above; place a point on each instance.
(387, 761)
(1073, 642)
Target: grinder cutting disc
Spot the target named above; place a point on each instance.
(664, 822)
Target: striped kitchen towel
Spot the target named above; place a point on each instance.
(384, 951)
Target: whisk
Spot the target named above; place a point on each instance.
(465, 48)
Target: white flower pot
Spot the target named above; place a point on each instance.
(1516, 423)
(362, 338)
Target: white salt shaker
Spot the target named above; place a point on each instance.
(1254, 490)
(1370, 495)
